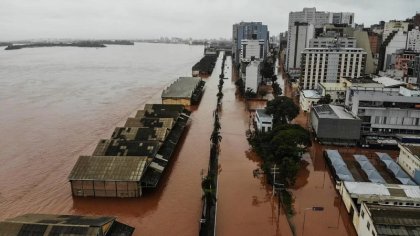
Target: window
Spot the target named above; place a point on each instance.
(363, 214)
(373, 233)
(368, 225)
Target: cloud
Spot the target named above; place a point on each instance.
(27, 19)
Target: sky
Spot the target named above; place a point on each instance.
(135, 19)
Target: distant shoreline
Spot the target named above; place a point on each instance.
(87, 44)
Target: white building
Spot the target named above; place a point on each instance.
(354, 194)
(326, 42)
(253, 76)
(300, 35)
(308, 98)
(392, 26)
(263, 120)
(330, 64)
(409, 160)
(385, 111)
(413, 41)
(395, 41)
(315, 18)
(252, 48)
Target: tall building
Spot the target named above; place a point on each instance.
(375, 42)
(320, 65)
(248, 30)
(317, 19)
(413, 40)
(395, 41)
(252, 75)
(394, 25)
(299, 37)
(252, 49)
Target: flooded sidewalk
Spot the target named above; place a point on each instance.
(245, 203)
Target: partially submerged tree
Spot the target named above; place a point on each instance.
(283, 110)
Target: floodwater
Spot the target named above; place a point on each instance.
(56, 103)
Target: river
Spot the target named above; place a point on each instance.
(56, 103)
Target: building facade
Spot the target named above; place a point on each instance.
(263, 121)
(326, 42)
(320, 65)
(317, 19)
(308, 98)
(413, 40)
(252, 75)
(395, 41)
(300, 35)
(333, 125)
(248, 30)
(251, 48)
(409, 160)
(385, 111)
(393, 26)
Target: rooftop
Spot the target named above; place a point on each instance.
(121, 147)
(43, 224)
(333, 112)
(389, 82)
(181, 88)
(392, 220)
(262, 114)
(413, 149)
(109, 168)
(149, 122)
(357, 189)
(311, 94)
(140, 133)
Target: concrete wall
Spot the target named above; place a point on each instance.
(408, 162)
(89, 188)
(340, 130)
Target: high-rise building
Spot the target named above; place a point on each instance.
(248, 30)
(299, 36)
(396, 40)
(330, 64)
(326, 42)
(317, 19)
(252, 75)
(413, 40)
(252, 49)
(394, 25)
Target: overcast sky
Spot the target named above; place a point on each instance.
(34, 19)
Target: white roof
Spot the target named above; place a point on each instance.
(388, 82)
(311, 94)
(368, 188)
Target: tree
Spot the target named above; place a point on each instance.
(267, 69)
(249, 93)
(325, 100)
(276, 89)
(283, 110)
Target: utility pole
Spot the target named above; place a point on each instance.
(274, 171)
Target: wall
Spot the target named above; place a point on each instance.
(340, 129)
(408, 162)
(90, 188)
(180, 101)
(252, 76)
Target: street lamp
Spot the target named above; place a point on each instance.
(314, 208)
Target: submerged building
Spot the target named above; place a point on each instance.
(185, 91)
(49, 225)
(134, 158)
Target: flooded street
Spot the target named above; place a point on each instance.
(245, 203)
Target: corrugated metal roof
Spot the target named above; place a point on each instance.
(120, 147)
(181, 88)
(109, 168)
(140, 133)
(52, 225)
(149, 122)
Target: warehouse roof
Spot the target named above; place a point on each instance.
(391, 220)
(140, 133)
(149, 122)
(109, 168)
(393, 167)
(340, 167)
(391, 190)
(120, 147)
(313, 94)
(183, 87)
(43, 224)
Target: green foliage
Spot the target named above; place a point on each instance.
(276, 89)
(267, 69)
(325, 100)
(249, 93)
(283, 110)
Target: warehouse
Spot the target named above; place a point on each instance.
(185, 91)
